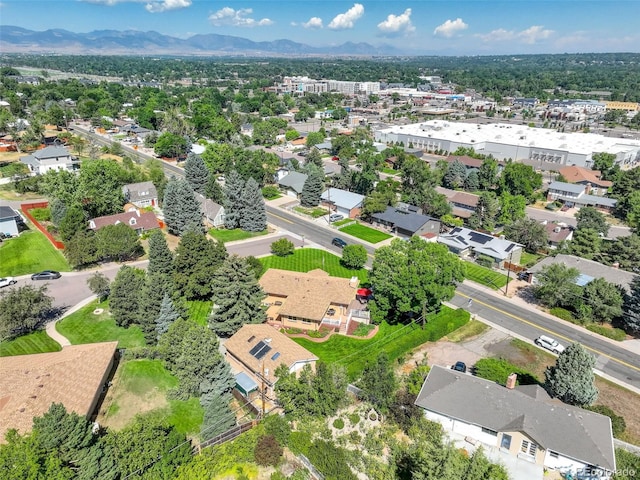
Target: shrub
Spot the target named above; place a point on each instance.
(41, 214)
(363, 330)
(484, 260)
(564, 314)
(498, 369)
(354, 256)
(268, 451)
(354, 418)
(278, 427)
(300, 443)
(618, 425)
(613, 333)
(338, 423)
(270, 192)
(282, 247)
(330, 460)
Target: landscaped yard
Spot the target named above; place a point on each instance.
(29, 253)
(223, 235)
(530, 259)
(396, 340)
(485, 276)
(141, 386)
(367, 234)
(342, 222)
(306, 259)
(316, 212)
(84, 326)
(199, 311)
(36, 342)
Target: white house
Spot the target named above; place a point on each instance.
(143, 194)
(212, 212)
(344, 202)
(50, 158)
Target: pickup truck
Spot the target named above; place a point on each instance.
(6, 281)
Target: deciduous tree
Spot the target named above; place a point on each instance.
(22, 310)
(379, 382)
(118, 242)
(99, 284)
(528, 232)
(603, 299)
(589, 217)
(124, 299)
(354, 256)
(556, 285)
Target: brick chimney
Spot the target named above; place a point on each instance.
(511, 381)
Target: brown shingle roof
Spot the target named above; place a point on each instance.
(462, 198)
(144, 220)
(466, 160)
(249, 336)
(308, 295)
(29, 384)
(575, 174)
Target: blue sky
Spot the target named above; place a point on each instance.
(444, 27)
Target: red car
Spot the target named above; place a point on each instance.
(335, 158)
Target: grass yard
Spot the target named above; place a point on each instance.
(199, 311)
(391, 171)
(141, 386)
(342, 222)
(223, 235)
(306, 259)
(396, 340)
(367, 234)
(36, 342)
(485, 276)
(530, 259)
(30, 253)
(84, 326)
(467, 331)
(316, 212)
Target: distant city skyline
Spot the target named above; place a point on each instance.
(438, 27)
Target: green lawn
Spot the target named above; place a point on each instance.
(85, 327)
(316, 212)
(396, 340)
(367, 234)
(223, 235)
(530, 259)
(390, 171)
(29, 253)
(342, 222)
(36, 342)
(485, 276)
(199, 311)
(306, 259)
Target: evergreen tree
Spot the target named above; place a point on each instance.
(379, 382)
(312, 188)
(631, 318)
(196, 173)
(196, 259)
(585, 243)
(237, 297)
(214, 190)
(74, 221)
(160, 257)
(486, 212)
(488, 174)
(181, 209)
(124, 299)
(456, 175)
(233, 206)
(572, 379)
(472, 182)
(314, 157)
(167, 315)
(254, 215)
(156, 286)
(216, 398)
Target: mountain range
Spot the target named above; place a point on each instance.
(130, 42)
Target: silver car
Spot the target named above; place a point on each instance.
(550, 344)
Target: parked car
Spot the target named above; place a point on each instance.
(460, 367)
(46, 275)
(334, 217)
(335, 158)
(6, 281)
(550, 344)
(338, 242)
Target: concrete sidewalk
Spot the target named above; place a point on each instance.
(51, 326)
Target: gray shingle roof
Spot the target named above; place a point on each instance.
(8, 212)
(571, 431)
(136, 192)
(294, 181)
(343, 198)
(566, 187)
(409, 221)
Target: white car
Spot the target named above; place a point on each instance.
(6, 281)
(550, 344)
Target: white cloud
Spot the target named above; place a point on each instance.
(237, 18)
(449, 28)
(313, 23)
(395, 24)
(348, 18)
(164, 5)
(529, 36)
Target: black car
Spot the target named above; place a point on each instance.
(46, 275)
(338, 242)
(460, 367)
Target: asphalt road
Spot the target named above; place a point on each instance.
(611, 358)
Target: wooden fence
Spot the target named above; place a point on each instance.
(26, 209)
(226, 436)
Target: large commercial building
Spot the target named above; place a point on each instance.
(539, 147)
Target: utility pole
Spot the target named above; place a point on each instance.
(263, 392)
(506, 288)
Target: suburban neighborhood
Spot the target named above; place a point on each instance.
(344, 280)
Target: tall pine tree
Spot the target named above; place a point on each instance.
(166, 316)
(216, 397)
(312, 188)
(233, 206)
(124, 298)
(254, 216)
(214, 190)
(160, 257)
(237, 297)
(181, 209)
(196, 173)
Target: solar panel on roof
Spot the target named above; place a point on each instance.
(479, 238)
(263, 351)
(508, 249)
(256, 347)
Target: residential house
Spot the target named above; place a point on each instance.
(143, 194)
(573, 195)
(586, 177)
(519, 426)
(463, 204)
(76, 376)
(255, 352)
(10, 221)
(293, 183)
(557, 233)
(406, 221)
(213, 213)
(588, 269)
(141, 222)
(135, 131)
(51, 158)
(312, 300)
(471, 244)
(344, 202)
(469, 162)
